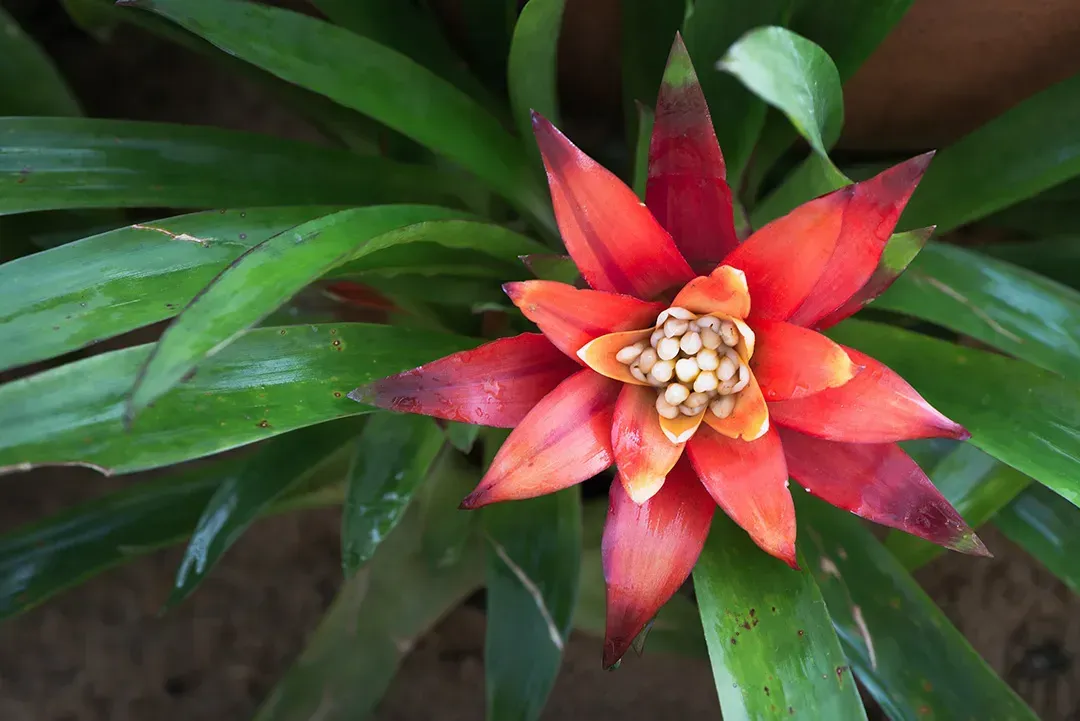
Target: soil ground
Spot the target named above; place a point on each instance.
(102, 652)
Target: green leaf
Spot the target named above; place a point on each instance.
(73, 295)
(1029, 424)
(462, 436)
(448, 528)
(645, 121)
(1029, 148)
(914, 663)
(975, 484)
(648, 29)
(532, 67)
(1056, 258)
(796, 77)
(29, 82)
(377, 618)
(773, 650)
(279, 466)
(676, 628)
(532, 584)
(409, 28)
(44, 558)
(738, 116)
(266, 276)
(370, 78)
(55, 163)
(1009, 308)
(268, 382)
(390, 460)
(1048, 528)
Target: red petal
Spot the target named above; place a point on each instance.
(496, 384)
(614, 239)
(570, 318)
(643, 454)
(793, 362)
(599, 354)
(565, 439)
(868, 223)
(723, 291)
(880, 483)
(876, 406)
(784, 260)
(687, 190)
(889, 268)
(748, 479)
(649, 551)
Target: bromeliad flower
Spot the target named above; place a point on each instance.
(702, 390)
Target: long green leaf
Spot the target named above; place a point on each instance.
(409, 28)
(263, 278)
(1032, 147)
(270, 381)
(279, 466)
(370, 78)
(1030, 423)
(1009, 308)
(55, 163)
(1057, 258)
(773, 649)
(44, 558)
(532, 66)
(914, 663)
(376, 619)
(448, 528)
(648, 28)
(795, 76)
(73, 295)
(1048, 528)
(976, 485)
(532, 586)
(29, 82)
(390, 460)
(738, 116)
(488, 26)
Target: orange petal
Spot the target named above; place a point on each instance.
(496, 384)
(681, 428)
(648, 552)
(565, 439)
(570, 317)
(599, 354)
(643, 454)
(749, 481)
(615, 241)
(749, 420)
(723, 291)
(881, 483)
(876, 406)
(784, 260)
(794, 362)
(875, 207)
(687, 190)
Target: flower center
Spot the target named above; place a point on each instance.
(692, 362)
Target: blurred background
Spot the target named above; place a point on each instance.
(103, 652)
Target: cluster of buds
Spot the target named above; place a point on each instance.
(692, 362)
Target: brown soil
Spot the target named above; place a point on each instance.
(102, 652)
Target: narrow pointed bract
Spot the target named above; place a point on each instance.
(614, 240)
(648, 552)
(794, 362)
(642, 452)
(749, 481)
(876, 205)
(571, 317)
(496, 384)
(687, 189)
(876, 406)
(880, 483)
(565, 439)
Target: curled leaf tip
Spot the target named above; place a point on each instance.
(972, 545)
(362, 394)
(476, 499)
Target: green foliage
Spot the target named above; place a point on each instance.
(426, 196)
